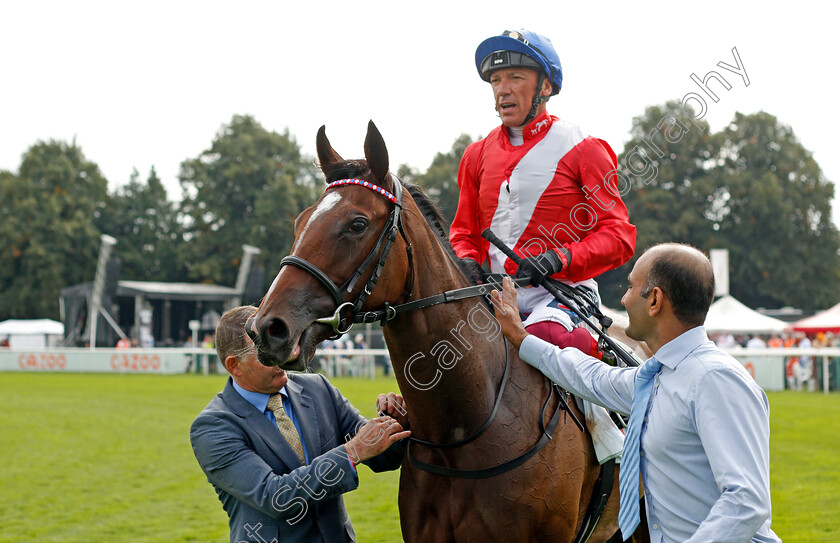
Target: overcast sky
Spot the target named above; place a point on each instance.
(150, 83)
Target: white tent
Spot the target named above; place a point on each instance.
(729, 315)
(32, 333)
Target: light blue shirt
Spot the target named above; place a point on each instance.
(705, 459)
(260, 401)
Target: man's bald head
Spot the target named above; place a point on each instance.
(685, 276)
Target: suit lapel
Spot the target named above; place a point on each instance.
(260, 425)
(304, 408)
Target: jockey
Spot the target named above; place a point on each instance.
(544, 187)
(549, 192)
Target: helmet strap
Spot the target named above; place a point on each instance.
(538, 99)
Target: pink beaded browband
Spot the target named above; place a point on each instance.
(363, 183)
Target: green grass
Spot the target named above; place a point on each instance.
(89, 457)
(804, 472)
(98, 457)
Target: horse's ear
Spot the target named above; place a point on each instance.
(326, 154)
(376, 153)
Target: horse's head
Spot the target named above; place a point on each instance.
(341, 251)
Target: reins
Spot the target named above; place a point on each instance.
(546, 434)
(493, 282)
(486, 423)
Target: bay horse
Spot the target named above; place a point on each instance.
(480, 467)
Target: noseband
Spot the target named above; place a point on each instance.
(340, 324)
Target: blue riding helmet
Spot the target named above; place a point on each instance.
(522, 48)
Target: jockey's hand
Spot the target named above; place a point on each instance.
(475, 272)
(541, 266)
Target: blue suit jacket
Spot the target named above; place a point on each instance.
(265, 490)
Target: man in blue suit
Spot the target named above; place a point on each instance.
(280, 471)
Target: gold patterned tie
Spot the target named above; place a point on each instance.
(286, 426)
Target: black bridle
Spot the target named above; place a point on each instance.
(387, 237)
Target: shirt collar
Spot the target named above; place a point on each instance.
(676, 350)
(257, 399)
(538, 126)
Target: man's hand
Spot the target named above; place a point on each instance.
(507, 313)
(541, 266)
(374, 438)
(393, 405)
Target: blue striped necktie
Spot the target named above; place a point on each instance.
(628, 475)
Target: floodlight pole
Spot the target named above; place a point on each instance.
(98, 286)
(248, 254)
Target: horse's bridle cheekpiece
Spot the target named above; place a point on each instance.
(342, 325)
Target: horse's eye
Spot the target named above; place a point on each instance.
(358, 226)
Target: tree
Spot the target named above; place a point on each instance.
(145, 224)
(47, 228)
(664, 174)
(752, 189)
(441, 179)
(247, 188)
(775, 218)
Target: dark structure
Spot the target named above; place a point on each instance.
(150, 313)
(144, 309)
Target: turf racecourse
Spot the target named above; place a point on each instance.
(89, 457)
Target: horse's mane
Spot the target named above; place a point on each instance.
(359, 169)
(439, 226)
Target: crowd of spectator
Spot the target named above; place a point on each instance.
(342, 364)
(800, 371)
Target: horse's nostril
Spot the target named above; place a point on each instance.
(277, 329)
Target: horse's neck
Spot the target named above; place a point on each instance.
(448, 358)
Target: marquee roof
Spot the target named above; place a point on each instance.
(729, 315)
